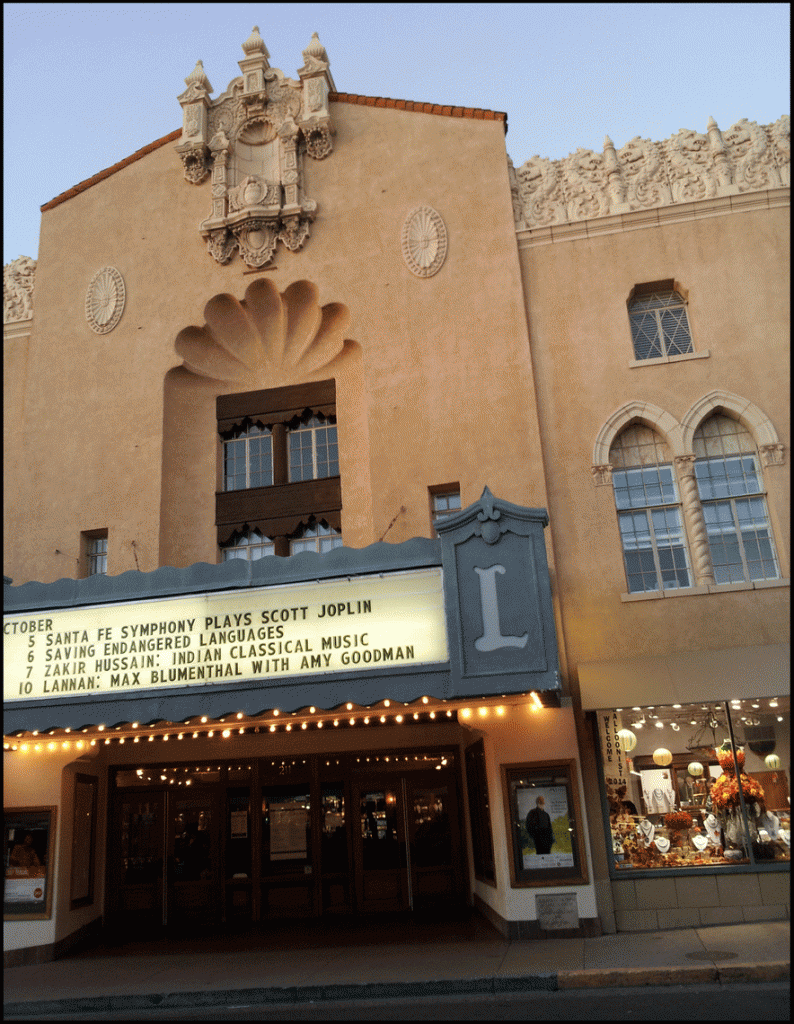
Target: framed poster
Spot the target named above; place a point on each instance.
(29, 847)
(544, 824)
(83, 841)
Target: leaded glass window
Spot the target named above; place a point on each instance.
(659, 325)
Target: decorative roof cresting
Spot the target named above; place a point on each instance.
(252, 140)
(18, 283)
(643, 174)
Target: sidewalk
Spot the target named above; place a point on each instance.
(170, 974)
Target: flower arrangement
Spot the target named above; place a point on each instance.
(726, 758)
(678, 821)
(725, 791)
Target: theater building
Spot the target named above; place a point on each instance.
(380, 546)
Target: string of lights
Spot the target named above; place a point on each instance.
(200, 727)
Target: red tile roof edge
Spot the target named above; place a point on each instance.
(422, 108)
(100, 175)
(334, 97)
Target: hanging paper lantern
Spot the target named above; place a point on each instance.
(695, 769)
(772, 761)
(627, 740)
(662, 756)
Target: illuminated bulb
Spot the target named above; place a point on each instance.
(210, 733)
(24, 746)
(319, 725)
(399, 718)
(239, 714)
(166, 736)
(272, 728)
(416, 714)
(383, 718)
(241, 731)
(289, 726)
(466, 713)
(51, 746)
(121, 740)
(366, 720)
(180, 736)
(134, 725)
(312, 710)
(106, 743)
(203, 718)
(353, 721)
(101, 727)
(349, 707)
(500, 710)
(137, 739)
(195, 735)
(226, 733)
(386, 703)
(336, 721)
(151, 739)
(304, 725)
(482, 712)
(659, 725)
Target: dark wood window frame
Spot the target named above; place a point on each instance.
(279, 510)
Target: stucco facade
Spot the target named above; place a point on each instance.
(492, 347)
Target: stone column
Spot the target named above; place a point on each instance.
(695, 521)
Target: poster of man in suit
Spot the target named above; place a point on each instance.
(544, 814)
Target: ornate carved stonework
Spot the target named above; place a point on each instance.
(18, 280)
(602, 475)
(644, 174)
(104, 300)
(772, 454)
(251, 141)
(424, 241)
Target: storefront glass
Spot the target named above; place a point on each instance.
(671, 790)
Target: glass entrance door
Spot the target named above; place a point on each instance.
(136, 894)
(193, 892)
(380, 845)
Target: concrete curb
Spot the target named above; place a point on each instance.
(548, 982)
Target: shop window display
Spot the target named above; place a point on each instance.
(697, 785)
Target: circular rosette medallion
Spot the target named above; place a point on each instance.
(424, 241)
(104, 300)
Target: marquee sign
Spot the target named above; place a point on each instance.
(336, 625)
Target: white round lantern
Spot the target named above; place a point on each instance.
(662, 757)
(628, 740)
(772, 761)
(695, 769)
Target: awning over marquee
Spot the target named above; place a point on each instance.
(469, 615)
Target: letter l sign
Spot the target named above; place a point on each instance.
(492, 639)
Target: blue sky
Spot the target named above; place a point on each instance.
(85, 85)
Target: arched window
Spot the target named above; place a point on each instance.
(659, 324)
(313, 448)
(250, 545)
(315, 537)
(248, 458)
(731, 493)
(649, 514)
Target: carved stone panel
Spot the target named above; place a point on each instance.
(104, 300)
(18, 280)
(252, 141)
(424, 241)
(684, 168)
